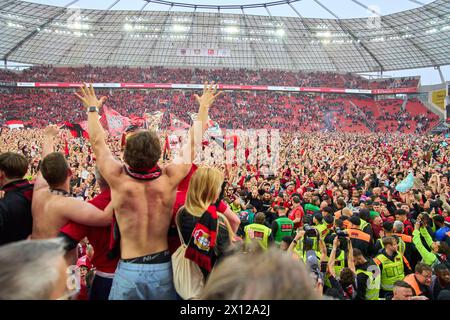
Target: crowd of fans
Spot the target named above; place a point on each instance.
(342, 215)
(224, 76)
(236, 110)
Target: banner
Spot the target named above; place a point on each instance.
(197, 52)
(14, 124)
(83, 125)
(153, 119)
(76, 130)
(221, 87)
(114, 121)
(438, 98)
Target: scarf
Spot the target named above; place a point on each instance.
(143, 173)
(203, 240)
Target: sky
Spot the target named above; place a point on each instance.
(307, 8)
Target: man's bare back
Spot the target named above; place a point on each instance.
(143, 211)
(46, 218)
(52, 211)
(143, 207)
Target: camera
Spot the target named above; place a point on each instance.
(341, 233)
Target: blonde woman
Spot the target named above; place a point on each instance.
(206, 231)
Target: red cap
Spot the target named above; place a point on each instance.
(84, 261)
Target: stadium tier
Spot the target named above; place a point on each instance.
(217, 151)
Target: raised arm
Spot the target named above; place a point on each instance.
(48, 147)
(350, 262)
(107, 164)
(333, 258)
(182, 163)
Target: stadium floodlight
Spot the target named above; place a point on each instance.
(180, 28)
(445, 28)
(280, 32)
(78, 26)
(128, 27)
(325, 34)
(231, 29)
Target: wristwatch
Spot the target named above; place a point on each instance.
(93, 109)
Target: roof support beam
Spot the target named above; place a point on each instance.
(308, 29)
(252, 48)
(159, 35)
(191, 33)
(35, 32)
(415, 45)
(345, 29)
(288, 53)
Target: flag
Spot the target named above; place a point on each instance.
(138, 121)
(215, 133)
(83, 125)
(406, 184)
(153, 120)
(75, 130)
(14, 124)
(66, 147)
(226, 142)
(166, 152)
(177, 124)
(114, 121)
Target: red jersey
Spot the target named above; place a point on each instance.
(297, 213)
(99, 237)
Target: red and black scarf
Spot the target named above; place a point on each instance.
(203, 240)
(143, 173)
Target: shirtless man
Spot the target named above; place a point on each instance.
(52, 207)
(143, 195)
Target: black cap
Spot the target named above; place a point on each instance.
(355, 220)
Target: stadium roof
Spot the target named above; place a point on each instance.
(42, 34)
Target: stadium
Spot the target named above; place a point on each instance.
(149, 147)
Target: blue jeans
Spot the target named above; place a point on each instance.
(143, 282)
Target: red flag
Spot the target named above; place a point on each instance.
(138, 121)
(166, 152)
(114, 121)
(66, 147)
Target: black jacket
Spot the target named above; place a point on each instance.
(16, 221)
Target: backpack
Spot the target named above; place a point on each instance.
(188, 278)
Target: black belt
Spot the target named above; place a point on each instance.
(160, 257)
